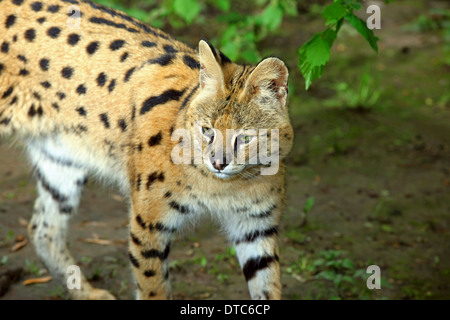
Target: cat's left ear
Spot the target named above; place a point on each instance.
(211, 74)
(267, 85)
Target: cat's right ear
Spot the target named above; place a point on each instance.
(211, 75)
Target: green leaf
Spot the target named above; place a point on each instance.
(347, 263)
(250, 55)
(314, 54)
(361, 27)
(337, 280)
(319, 262)
(327, 275)
(308, 205)
(348, 279)
(387, 228)
(356, 5)
(138, 13)
(334, 12)
(231, 50)
(223, 5)
(272, 16)
(289, 7)
(187, 9)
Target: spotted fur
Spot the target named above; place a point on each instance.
(104, 100)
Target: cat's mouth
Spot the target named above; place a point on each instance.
(223, 175)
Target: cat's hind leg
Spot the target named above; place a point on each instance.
(60, 182)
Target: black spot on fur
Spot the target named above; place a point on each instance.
(252, 236)
(5, 121)
(99, 20)
(44, 64)
(112, 85)
(32, 111)
(116, 44)
(124, 57)
(71, 1)
(135, 239)
(30, 35)
(73, 39)
(41, 20)
(104, 118)
(66, 209)
(53, 8)
(92, 47)
(10, 20)
(169, 49)
(61, 95)
(128, 74)
(168, 194)
(153, 253)
(155, 140)
(82, 111)
(154, 177)
(24, 72)
(141, 222)
(46, 84)
(165, 97)
(22, 58)
(163, 60)
(252, 266)
(17, 2)
(36, 6)
(122, 125)
(160, 227)
(8, 92)
(53, 32)
(55, 106)
(13, 101)
(39, 111)
(81, 89)
(191, 62)
(5, 47)
(138, 182)
(189, 96)
(148, 44)
(149, 273)
(67, 72)
(101, 79)
(133, 260)
(265, 213)
(181, 209)
(37, 95)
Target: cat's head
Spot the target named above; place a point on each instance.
(251, 101)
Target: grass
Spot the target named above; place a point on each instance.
(331, 275)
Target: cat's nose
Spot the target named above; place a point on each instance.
(218, 164)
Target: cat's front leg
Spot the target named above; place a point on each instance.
(254, 235)
(149, 249)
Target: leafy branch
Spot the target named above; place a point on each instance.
(314, 54)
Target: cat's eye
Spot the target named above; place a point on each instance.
(208, 132)
(244, 138)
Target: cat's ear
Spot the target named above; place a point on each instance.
(267, 85)
(211, 74)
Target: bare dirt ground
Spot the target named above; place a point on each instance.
(380, 180)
